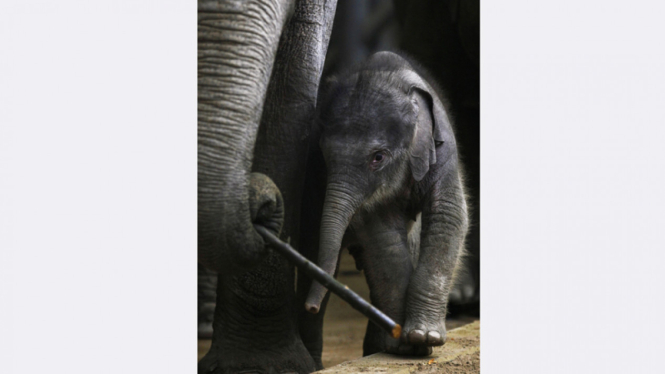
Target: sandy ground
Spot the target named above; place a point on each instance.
(344, 327)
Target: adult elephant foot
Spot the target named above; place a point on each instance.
(254, 330)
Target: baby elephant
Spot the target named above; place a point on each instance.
(394, 197)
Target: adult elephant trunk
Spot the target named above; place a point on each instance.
(234, 67)
(339, 206)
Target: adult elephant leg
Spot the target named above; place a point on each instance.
(237, 44)
(284, 136)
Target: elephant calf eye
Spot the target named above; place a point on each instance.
(378, 157)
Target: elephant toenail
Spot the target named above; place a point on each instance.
(434, 338)
(417, 337)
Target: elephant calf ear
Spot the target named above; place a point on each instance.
(431, 123)
(422, 153)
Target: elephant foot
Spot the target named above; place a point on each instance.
(377, 340)
(422, 335)
(281, 360)
(253, 329)
(425, 325)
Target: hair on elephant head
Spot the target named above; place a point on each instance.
(390, 152)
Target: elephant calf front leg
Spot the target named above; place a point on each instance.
(444, 227)
(426, 310)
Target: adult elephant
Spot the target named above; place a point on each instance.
(259, 65)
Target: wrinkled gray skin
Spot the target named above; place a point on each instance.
(392, 172)
(259, 65)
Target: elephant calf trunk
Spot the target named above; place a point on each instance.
(338, 208)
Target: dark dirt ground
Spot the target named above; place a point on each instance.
(344, 327)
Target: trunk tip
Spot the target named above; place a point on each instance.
(312, 308)
(315, 298)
